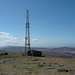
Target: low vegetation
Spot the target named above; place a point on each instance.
(16, 64)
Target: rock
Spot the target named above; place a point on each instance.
(60, 65)
(13, 72)
(14, 66)
(49, 65)
(1, 62)
(27, 70)
(68, 65)
(35, 73)
(49, 68)
(55, 63)
(33, 63)
(2, 74)
(28, 63)
(41, 65)
(4, 61)
(62, 70)
(72, 71)
(35, 59)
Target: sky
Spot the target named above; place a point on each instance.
(52, 22)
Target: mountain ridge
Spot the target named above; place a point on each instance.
(65, 52)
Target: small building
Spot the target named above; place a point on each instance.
(34, 53)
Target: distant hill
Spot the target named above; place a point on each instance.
(13, 48)
(64, 48)
(65, 52)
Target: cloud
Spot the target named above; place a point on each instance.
(6, 39)
(10, 41)
(34, 39)
(4, 33)
(7, 36)
(14, 38)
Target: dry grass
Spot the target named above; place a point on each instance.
(34, 65)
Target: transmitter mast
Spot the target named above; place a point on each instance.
(27, 35)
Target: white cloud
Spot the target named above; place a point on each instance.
(7, 36)
(34, 39)
(14, 38)
(4, 33)
(6, 39)
(10, 43)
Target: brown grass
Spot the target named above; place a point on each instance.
(50, 65)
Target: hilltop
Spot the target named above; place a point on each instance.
(16, 64)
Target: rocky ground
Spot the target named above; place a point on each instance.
(16, 64)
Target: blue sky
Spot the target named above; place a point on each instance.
(52, 22)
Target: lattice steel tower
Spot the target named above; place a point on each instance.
(27, 37)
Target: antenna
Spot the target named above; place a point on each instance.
(27, 35)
